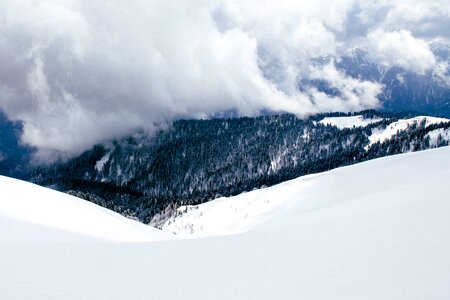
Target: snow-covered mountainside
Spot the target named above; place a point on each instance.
(30, 213)
(195, 161)
(438, 135)
(375, 230)
(381, 135)
(349, 122)
(399, 186)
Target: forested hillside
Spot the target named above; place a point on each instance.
(194, 161)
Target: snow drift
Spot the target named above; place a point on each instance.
(30, 213)
(376, 230)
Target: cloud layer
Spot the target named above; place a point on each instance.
(79, 72)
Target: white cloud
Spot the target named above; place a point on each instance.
(78, 72)
(355, 94)
(441, 72)
(422, 18)
(400, 48)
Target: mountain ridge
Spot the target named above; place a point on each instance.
(195, 161)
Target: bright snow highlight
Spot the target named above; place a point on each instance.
(376, 230)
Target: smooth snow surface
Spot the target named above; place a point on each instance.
(381, 135)
(233, 215)
(30, 213)
(349, 122)
(376, 230)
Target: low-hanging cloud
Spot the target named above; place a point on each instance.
(79, 72)
(400, 48)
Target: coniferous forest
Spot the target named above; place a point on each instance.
(194, 161)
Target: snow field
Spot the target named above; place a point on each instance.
(376, 230)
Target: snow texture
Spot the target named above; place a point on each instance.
(381, 135)
(376, 230)
(440, 133)
(349, 122)
(30, 213)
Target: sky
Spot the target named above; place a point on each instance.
(81, 72)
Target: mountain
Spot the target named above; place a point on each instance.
(403, 90)
(377, 186)
(375, 230)
(30, 213)
(14, 157)
(195, 161)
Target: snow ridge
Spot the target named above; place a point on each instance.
(53, 216)
(381, 135)
(349, 122)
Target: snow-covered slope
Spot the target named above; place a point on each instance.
(376, 181)
(376, 230)
(438, 135)
(382, 135)
(29, 213)
(349, 122)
